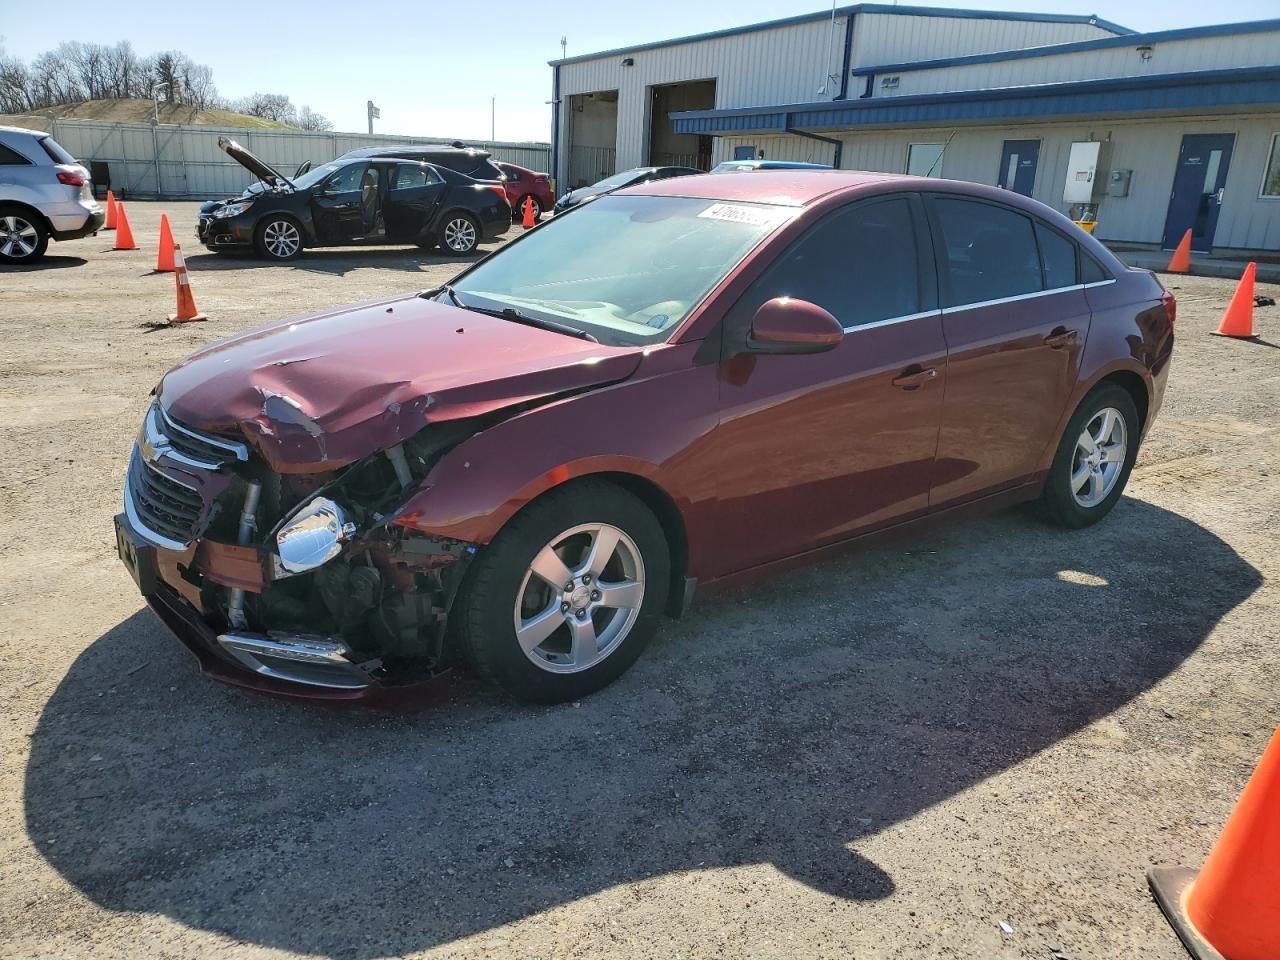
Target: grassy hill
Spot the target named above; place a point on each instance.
(140, 111)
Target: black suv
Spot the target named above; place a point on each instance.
(354, 201)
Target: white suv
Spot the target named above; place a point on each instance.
(44, 193)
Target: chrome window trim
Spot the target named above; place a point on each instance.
(1098, 283)
(240, 450)
(158, 539)
(892, 320)
(960, 307)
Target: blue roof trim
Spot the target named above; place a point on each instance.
(1170, 91)
(1078, 46)
(852, 10)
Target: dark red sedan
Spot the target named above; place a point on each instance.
(522, 182)
(668, 390)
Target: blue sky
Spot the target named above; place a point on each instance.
(432, 68)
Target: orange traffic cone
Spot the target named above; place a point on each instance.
(186, 302)
(1238, 320)
(528, 213)
(1231, 908)
(1180, 262)
(124, 235)
(164, 258)
(111, 212)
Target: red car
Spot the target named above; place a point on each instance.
(522, 182)
(676, 387)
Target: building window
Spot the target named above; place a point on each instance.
(924, 159)
(744, 153)
(1271, 176)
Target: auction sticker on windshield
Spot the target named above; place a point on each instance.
(745, 213)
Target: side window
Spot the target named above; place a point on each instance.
(1090, 270)
(858, 263)
(1059, 257)
(346, 180)
(989, 251)
(11, 158)
(412, 176)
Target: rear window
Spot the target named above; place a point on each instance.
(1059, 256)
(55, 151)
(990, 252)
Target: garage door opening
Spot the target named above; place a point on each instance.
(668, 148)
(593, 137)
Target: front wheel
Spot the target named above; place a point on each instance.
(459, 234)
(23, 239)
(1094, 459)
(278, 238)
(567, 596)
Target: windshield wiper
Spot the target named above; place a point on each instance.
(512, 314)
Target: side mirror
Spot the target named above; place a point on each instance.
(786, 325)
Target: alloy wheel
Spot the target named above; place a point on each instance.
(1099, 457)
(18, 237)
(579, 598)
(281, 238)
(460, 235)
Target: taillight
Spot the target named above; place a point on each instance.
(1170, 303)
(497, 188)
(72, 178)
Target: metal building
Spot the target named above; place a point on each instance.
(1148, 134)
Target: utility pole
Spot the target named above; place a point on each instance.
(374, 114)
(493, 119)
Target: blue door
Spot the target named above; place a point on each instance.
(1197, 189)
(1018, 166)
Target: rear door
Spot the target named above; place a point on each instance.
(416, 191)
(1015, 319)
(815, 448)
(336, 205)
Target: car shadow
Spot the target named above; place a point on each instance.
(47, 262)
(338, 262)
(782, 724)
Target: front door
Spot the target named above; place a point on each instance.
(1018, 166)
(416, 190)
(1197, 189)
(1015, 329)
(814, 448)
(336, 205)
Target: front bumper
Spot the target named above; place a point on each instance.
(225, 233)
(310, 667)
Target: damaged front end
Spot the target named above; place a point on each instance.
(281, 579)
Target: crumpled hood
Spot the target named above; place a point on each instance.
(315, 393)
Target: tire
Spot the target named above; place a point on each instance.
(458, 234)
(517, 212)
(1109, 415)
(570, 654)
(23, 237)
(278, 237)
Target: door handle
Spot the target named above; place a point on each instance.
(1060, 337)
(913, 378)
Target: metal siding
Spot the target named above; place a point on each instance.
(190, 164)
(890, 38)
(1208, 53)
(1148, 147)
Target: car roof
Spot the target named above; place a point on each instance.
(419, 148)
(32, 133)
(793, 188)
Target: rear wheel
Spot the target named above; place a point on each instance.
(517, 212)
(1094, 459)
(278, 238)
(23, 238)
(568, 594)
(459, 234)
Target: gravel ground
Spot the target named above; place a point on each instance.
(881, 756)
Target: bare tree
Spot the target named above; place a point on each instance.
(14, 85)
(308, 119)
(270, 106)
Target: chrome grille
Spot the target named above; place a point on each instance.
(188, 446)
(162, 509)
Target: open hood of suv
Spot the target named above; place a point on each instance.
(315, 393)
(263, 171)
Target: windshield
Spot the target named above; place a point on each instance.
(618, 180)
(625, 269)
(315, 175)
